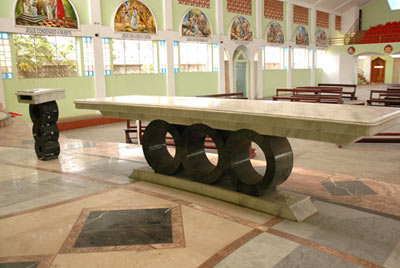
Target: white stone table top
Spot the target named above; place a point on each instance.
(335, 123)
(40, 95)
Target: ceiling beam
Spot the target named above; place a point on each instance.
(317, 3)
(342, 5)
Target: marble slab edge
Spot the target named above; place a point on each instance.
(285, 204)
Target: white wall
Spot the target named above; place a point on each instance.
(349, 17)
(340, 69)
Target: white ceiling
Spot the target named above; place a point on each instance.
(333, 6)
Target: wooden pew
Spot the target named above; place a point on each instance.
(389, 97)
(346, 94)
(225, 95)
(328, 94)
(310, 94)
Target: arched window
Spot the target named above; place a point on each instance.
(134, 17)
(46, 13)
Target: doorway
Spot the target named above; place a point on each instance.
(241, 77)
(378, 68)
(241, 65)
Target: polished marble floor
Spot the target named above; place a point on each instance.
(82, 210)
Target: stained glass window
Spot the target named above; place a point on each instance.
(88, 58)
(107, 56)
(5, 57)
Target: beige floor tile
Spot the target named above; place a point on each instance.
(225, 207)
(394, 258)
(11, 172)
(19, 235)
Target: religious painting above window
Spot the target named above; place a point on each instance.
(195, 24)
(388, 49)
(46, 13)
(135, 17)
(302, 37)
(351, 50)
(321, 38)
(241, 29)
(275, 33)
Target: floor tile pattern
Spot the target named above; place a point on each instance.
(347, 188)
(19, 265)
(126, 227)
(45, 205)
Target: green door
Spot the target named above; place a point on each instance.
(241, 78)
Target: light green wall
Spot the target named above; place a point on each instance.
(138, 84)
(301, 77)
(388, 68)
(282, 23)
(194, 84)
(228, 19)
(179, 10)
(76, 88)
(273, 79)
(378, 12)
(318, 76)
(7, 9)
(109, 7)
(365, 48)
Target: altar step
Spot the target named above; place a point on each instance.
(5, 118)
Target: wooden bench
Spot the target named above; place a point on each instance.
(389, 97)
(225, 95)
(346, 94)
(310, 94)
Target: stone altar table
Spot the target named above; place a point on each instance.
(233, 125)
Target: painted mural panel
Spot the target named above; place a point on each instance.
(275, 33)
(321, 38)
(302, 37)
(46, 13)
(241, 29)
(133, 16)
(196, 24)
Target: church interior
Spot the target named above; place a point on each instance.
(199, 133)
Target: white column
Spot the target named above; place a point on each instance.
(313, 41)
(231, 76)
(2, 96)
(289, 37)
(168, 24)
(289, 21)
(95, 12)
(258, 79)
(220, 33)
(260, 82)
(290, 63)
(220, 18)
(332, 26)
(259, 19)
(313, 63)
(313, 25)
(170, 68)
(99, 78)
(252, 81)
